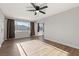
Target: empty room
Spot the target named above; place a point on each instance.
(39, 29)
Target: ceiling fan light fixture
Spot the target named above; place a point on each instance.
(37, 11)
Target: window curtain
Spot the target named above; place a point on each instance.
(38, 28)
(10, 28)
(32, 33)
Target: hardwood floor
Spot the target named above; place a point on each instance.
(70, 50)
(9, 48)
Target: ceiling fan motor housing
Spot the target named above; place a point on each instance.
(37, 7)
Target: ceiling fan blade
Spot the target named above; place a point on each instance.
(31, 10)
(42, 12)
(33, 5)
(43, 7)
(35, 13)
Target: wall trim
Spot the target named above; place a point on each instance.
(73, 46)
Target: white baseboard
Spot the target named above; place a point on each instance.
(74, 46)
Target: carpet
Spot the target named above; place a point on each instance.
(39, 48)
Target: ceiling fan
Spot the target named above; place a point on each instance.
(38, 9)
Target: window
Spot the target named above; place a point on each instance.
(22, 26)
(41, 27)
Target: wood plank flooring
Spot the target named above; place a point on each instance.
(70, 50)
(9, 48)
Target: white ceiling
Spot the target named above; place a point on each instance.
(19, 10)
